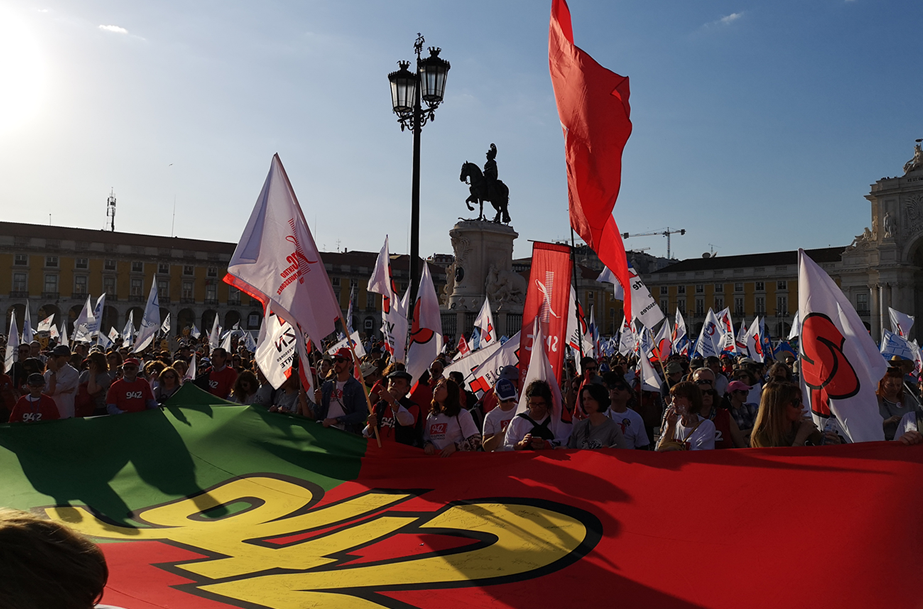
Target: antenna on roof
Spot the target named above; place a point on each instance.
(110, 211)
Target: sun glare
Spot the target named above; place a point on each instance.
(22, 72)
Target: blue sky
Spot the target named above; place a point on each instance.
(758, 126)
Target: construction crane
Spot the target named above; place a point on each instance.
(666, 233)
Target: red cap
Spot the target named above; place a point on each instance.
(131, 361)
(344, 352)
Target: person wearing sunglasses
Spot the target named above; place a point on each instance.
(130, 393)
(620, 396)
(340, 402)
(781, 422)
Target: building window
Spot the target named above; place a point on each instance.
(699, 307)
(699, 288)
(19, 282)
(591, 295)
(719, 288)
(20, 260)
(187, 290)
(353, 283)
(782, 305)
(110, 264)
(82, 263)
(80, 284)
(738, 305)
(233, 296)
(135, 289)
(163, 288)
(781, 285)
(738, 287)
(109, 285)
(664, 305)
(680, 289)
(862, 304)
(187, 270)
(760, 308)
(51, 284)
(51, 262)
(719, 303)
(760, 286)
(163, 268)
(663, 290)
(681, 305)
(137, 267)
(335, 282)
(211, 291)
(212, 271)
(371, 300)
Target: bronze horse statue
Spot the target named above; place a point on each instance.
(499, 195)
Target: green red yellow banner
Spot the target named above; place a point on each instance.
(207, 505)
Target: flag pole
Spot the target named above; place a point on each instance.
(573, 259)
(368, 401)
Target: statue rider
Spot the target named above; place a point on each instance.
(490, 173)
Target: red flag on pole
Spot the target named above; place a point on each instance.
(547, 298)
(594, 113)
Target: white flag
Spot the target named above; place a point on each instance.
(485, 323)
(194, 332)
(663, 343)
(249, 342)
(129, 330)
(165, 326)
(27, 333)
(900, 322)
(796, 326)
(643, 305)
(214, 338)
(103, 341)
(755, 342)
(540, 370)
(482, 368)
(357, 345)
(607, 276)
(45, 324)
(680, 337)
(711, 336)
(277, 260)
(53, 333)
(113, 334)
(64, 340)
(741, 339)
(892, 344)
(426, 332)
(650, 380)
(191, 371)
(275, 349)
(82, 324)
(226, 343)
(393, 313)
(150, 323)
(94, 323)
(578, 332)
(627, 339)
(840, 364)
(12, 345)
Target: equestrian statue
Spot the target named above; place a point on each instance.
(486, 187)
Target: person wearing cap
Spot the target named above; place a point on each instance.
(394, 415)
(35, 407)
(674, 375)
(498, 419)
(340, 402)
(130, 393)
(61, 380)
(743, 412)
(620, 395)
(221, 377)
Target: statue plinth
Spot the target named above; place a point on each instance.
(483, 267)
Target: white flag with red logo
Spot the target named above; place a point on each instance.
(663, 344)
(277, 261)
(482, 368)
(579, 337)
(755, 341)
(840, 363)
(711, 337)
(644, 308)
(485, 324)
(462, 348)
(426, 331)
(680, 337)
(45, 324)
(275, 349)
(796, 326)
(900, 322)
(741, 339)
(540, 370)
(393, 314)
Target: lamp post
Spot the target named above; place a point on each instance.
(407, 90)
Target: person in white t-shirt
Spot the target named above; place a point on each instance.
(498, 419)
(620, 394)
(449, 427)
(683, 422)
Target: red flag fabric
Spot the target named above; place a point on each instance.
(594, 112)
(547, 297)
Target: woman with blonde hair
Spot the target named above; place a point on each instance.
(781, 421)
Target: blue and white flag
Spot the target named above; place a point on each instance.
(150, 322)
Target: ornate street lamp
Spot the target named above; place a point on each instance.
(407, 90)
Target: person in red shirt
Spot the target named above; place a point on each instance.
(36, 406)
(130, 393)
(222, 377)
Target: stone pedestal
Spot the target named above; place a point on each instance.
(483, 267)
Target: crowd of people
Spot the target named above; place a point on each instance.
(710, 403)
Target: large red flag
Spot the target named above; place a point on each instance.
(547, 298)
(594, 112)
